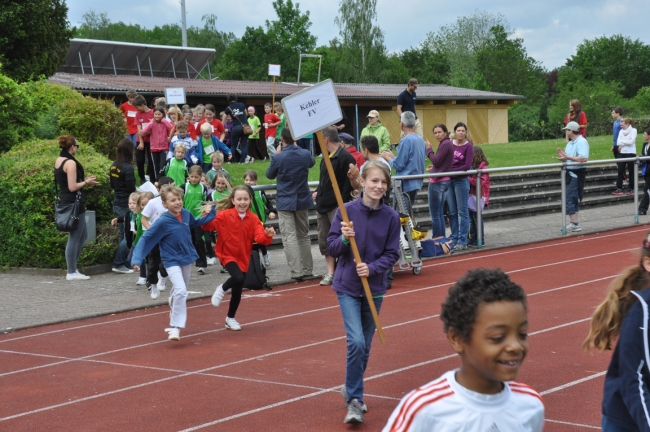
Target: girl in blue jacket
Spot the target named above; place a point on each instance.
(173, 232)
(376, 228)
(624, 314)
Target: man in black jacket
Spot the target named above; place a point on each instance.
(326, 204)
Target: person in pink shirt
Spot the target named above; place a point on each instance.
(143, 117)
(158, 131)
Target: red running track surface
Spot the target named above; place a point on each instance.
(284, 370)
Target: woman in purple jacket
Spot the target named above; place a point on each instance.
(438, 186)
(379, 250)
(458, 192)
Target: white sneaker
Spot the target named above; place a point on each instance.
(201, 271)
(218, 296)
(147, 178)
(141, 281)
(76, 276)
(232, 324)
(174, 333)
(267, 260)
(211, 261)
(161, 283)
(252, 159)
(155, 293)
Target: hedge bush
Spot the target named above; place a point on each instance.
(16, 117)
(29, 237)
(46, 96)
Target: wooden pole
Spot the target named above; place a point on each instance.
(273, 93)
(353, 242)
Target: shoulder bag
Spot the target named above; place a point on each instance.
(246, 128)
(66, 215)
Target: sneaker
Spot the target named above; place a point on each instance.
(459, 247)
(174, 333)
(630, 193)
(297, 278)
(141, 281)
(355, 412)
(211, 261)
(617, 192)
(122, 269)
(344, 393)
(223, 271)
(625, 182)
(155, 293)
(218, 296)
(232, 324)
(251, 160)
(76, 276)
(201, 271)
(147, 178)
(327, 279)
(573, 227)
(267, 260)
(642, 213)
(161, 283)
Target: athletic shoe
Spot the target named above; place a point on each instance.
(267, 260)
(617, 192)
(344, 393)
(211, 261)
(218, 296)
(459, 247)
(201, 271)
(642, 213)
(223, 271)
(147, 178)
(355, 412)
(327, 279)
(573, 227)
(162, 281)
(76, 276)
(252, 159)
(122, 269)
(155, 293)
(630, 193)
(174, 333)
(141, 281)
(232, 324)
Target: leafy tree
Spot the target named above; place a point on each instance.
(429, 67)
(34, 37)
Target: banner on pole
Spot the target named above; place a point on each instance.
(312, 109)
(175, 96)
(274, 70)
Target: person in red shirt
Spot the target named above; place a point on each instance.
(237, 228)
(577, 115)
(129, 112)
(217, 127)
(348, 143)
(271, 122)
(143, 117)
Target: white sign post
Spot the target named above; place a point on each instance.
(274, 71)
(175, 96)
(311, 110)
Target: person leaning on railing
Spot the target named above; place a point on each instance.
(645, 172)
(576, 152)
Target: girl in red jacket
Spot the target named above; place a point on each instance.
(479, 162)
(237, 228)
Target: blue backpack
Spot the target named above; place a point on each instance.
(437, 246)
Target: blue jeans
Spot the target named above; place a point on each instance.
(134, 138)
(437, 192)
(121, 256)
(572, 197)
(238, 140)
(609, 427)
(457, 197)
(473, 230)
(359, 329)
(306, 143)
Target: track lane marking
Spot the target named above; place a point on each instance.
(573, 424)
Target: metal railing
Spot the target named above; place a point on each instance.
(479, 212)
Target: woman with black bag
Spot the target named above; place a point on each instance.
(69, 176)
(240, 128)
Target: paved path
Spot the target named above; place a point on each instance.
(31, 300)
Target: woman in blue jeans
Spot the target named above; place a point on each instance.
(458, 192)
(438, 186)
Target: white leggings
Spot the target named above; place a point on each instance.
(180, 278)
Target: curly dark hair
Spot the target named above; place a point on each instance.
(476, 287)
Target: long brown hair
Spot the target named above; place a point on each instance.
(227, 203)
(608, 317)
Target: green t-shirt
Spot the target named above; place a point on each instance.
(218, 196)
(206, 144)
(213, 173)
(283, 123)
(261, 205)
(194, 197)
(138, 229)
(254, 122)
(177, 171)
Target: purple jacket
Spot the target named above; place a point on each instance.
(442, 160)
(379, 248)
(463, 156)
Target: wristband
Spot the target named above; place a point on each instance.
(345, 241)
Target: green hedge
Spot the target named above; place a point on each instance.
(16, 114)
(29, 237)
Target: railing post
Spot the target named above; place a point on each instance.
(563, 187)
(479, 212)
(636, 191)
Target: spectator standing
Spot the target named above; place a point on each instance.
(576, 114)
(326, 204)
(129, 111)
(458, 192)
(626, 146)
(576, 152)
(377, 129)
(307, 143)
(617, 115)
(239, 140)
(479, 162)
(255, 150)
(348, 143)
(645, 172)
(406, 103)
(291, 167)
(123, 184)
(438, 186)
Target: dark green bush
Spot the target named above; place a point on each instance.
(16, 117)
(46, 96)
(94, 121)
(29, 237)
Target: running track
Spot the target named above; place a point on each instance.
(284, 370)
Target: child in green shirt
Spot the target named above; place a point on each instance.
(260, 205)
(194, 195)
(176, 167)
(216, 159)
(143, 199)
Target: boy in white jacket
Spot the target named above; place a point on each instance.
(626, 145)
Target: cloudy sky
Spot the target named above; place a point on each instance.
(551, 29)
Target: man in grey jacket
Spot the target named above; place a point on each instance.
(291, 168)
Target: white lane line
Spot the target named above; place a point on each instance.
(570, 286)
(434, 264)
(572, 383)
(559, 326)
(573, 424)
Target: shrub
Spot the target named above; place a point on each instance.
(94, 121)
(16, 117)
(29, 237)
(46, 96)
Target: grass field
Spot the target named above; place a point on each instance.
(499, 155)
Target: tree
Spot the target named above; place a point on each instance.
(429, 67)
(362, 42)
(34, 37)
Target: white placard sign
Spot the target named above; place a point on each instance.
(175, 96)
(274, 70)
(312, 109)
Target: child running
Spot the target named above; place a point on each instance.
(176, 167)
(216, 159)
(172, 233)
(208, 144)
(624, 315)
(380, 251)
(183, 138)
(158, 130)
(221, 187)
(478, 162)
(485, 318)
(128, 222)
(237, 228)
(194, 195)
(260, 206)
(271, 122)
(143, 200)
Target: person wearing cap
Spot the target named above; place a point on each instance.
(406, 103)
(376, 129)
(348, 144)
(576, 152)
